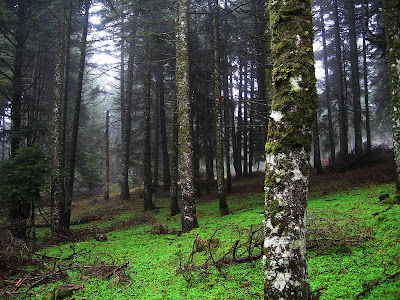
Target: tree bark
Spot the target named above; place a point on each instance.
(239, 130)
(245, 122)
(189, 219)
(107, 161)
(66, 216)
(173, 194)
(355, 78)
(17, 89)
(391, 12)
(57, 179)
(366, 91)
(228, 128)
(343, 131)
(147, 191)
(126, 120)
(317, 151)
(218, 117)
(156, 149)
(288, 150)
(328, 90)
(163, 128)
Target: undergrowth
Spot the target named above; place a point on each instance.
(353, 241)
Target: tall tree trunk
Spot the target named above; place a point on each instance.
(365, 70)
(156, 149)
(288, 150)
(66, 216)
(18, 212)
(107, 150)
(355, 78)
(331, 137)
(147, 191)
(17, 88)
(343, 131)
(228, 127)
(173, 194)
(245, 122)
(232, 108)
(189, 219)
(126, 119)
(57, 180)
(163, 128)
(65, 95)
(251, 123)
(317, 151)
(218, 117)
(391, 12)
(239, 130)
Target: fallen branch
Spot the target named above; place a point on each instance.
(380, 212)
(218, 263)
(368, 288)
(117, 269)
(375, 282)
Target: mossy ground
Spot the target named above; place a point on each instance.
(354, 245)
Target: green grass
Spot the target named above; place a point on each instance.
(354, 248)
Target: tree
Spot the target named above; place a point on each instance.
(163, 128)
(126, 118)
(288, 150)
(107, 160)
(218, 119)
(173, 194)
(331, 139)
(343, 130)
(391, 12)
(147, 191)
(66, 214)
(355, 77)
(57, 180)
(186, 167)
(21, 179)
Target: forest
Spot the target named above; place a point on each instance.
(177, 149)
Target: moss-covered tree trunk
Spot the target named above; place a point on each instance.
(186, 170)
(391, 13)
(218, 118)
(288, 150)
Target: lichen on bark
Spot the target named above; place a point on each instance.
(186, 168)
(288, 150)
(391, 12)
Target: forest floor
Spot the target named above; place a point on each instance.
(353, 245)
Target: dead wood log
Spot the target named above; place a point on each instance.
(97, 235)
(63, 291)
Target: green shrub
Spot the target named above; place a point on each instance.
(21, 179)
